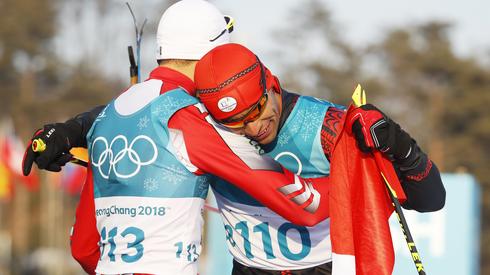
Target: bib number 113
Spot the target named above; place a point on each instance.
(107, 239)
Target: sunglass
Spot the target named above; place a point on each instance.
(257, 109)
(229, 27)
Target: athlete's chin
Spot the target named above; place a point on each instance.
(267, 139)
(270, 135)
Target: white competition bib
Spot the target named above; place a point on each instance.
(259, 238)
(164, 236)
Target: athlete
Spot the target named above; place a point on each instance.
(299, 132)
(151, 153)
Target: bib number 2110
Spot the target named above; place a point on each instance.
(263, 229)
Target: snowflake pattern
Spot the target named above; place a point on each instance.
(150, 184)
(283, 139)
(305, 126)
(168, 106)
(143, 122)
(310, 118)
(295, 128)
(174, 174)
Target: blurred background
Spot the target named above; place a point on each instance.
(425, 63)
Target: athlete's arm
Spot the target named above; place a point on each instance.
(85, 237)
(421, 182)
(208, 148)
(84, 122)
(418, 175)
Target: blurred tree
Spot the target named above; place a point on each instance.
(316, 59)
(414, 75)
(25, 30)
(37, 87)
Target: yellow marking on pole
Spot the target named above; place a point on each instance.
(389, 186)
(38, 145)
(359, 96)
(133, 79)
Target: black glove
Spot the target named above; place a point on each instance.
(374, 130)
(59, 139)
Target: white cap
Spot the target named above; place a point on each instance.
(189, 29)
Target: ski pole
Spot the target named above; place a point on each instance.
(139, 36)
(388, 175)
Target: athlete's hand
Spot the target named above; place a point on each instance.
(58, 139)
(374, 130)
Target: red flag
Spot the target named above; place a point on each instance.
(359, 210)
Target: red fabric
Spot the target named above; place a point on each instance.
(173, 79)
(360, 207)
(85, 236)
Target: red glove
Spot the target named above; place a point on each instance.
(374, 130)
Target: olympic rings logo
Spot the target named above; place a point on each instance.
(107, 155)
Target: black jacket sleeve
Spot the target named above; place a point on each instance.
(81, 124)
(421, 182)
